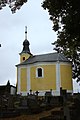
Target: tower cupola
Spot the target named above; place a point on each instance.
(26, 44)
(25, 54)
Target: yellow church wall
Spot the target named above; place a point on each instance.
(23, 79)
(66, 77)
(24, 55)
(47, 82)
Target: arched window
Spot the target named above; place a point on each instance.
(39, 72)
(23, 58)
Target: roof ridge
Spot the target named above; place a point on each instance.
(45, 54)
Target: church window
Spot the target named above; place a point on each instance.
(39, 72)
(23, 58)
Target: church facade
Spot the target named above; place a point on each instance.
(43, 72)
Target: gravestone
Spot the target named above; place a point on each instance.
(33, 104)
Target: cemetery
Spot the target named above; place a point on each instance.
(63, 107)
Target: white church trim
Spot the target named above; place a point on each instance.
(58, 84)
(18, 80)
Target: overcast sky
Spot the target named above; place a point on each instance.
(12, 35)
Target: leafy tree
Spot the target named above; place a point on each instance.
(13, 4)
(65, 15)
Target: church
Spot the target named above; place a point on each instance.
(43, 73)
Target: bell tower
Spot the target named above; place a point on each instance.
(25, 54)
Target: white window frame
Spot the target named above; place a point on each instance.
(37, 72)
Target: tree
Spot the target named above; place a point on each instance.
(13, 4)
(65, 15)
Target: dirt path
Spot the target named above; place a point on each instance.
(30, 117)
